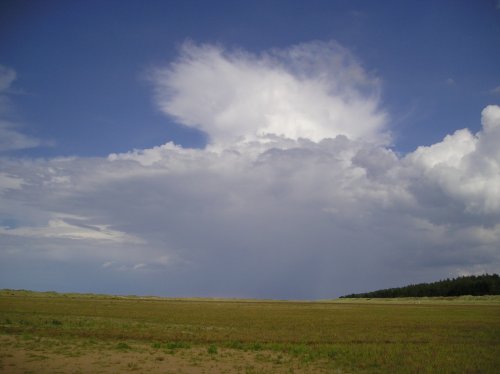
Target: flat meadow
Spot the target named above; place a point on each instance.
(50, 333)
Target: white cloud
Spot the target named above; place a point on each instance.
(7, 77)
(450, 82)
(495, 90)
(281, 219)
(449, 152)
(314, 91)
(267, 214)
(465, 166)
(491, 119)
(71, 227)
(11, 138)
(8, 182)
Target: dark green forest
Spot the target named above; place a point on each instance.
(475, 285)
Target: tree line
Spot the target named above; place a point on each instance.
(476, 285)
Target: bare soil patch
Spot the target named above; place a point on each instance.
(47, 355)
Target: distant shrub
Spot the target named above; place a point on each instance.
(256, 347)
(133, 366)
(298, 349)
(177, 345)
(236, 345)
(122, 345)
(332, 354)
(212, 349)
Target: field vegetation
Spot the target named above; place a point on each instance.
(49, 332)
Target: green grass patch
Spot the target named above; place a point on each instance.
(123, 346)
(212, 349)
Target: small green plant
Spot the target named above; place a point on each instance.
(133, 366)
(298, 349)
(177, 345)
(212, 349)
(256, 347)
(250, 369)
(122, 345)
(236, 345)
(332, 354)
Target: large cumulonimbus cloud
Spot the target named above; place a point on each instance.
(312, 91)
(296, 196)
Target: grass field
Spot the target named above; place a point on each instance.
(48, 332)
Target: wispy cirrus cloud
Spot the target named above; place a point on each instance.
(7, 76)
(495, 91)
(11, 137)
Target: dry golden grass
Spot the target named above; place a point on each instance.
(404, 336)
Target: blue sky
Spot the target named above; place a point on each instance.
(80, 65)
(144, 142)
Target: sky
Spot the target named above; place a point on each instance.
(263, 149)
